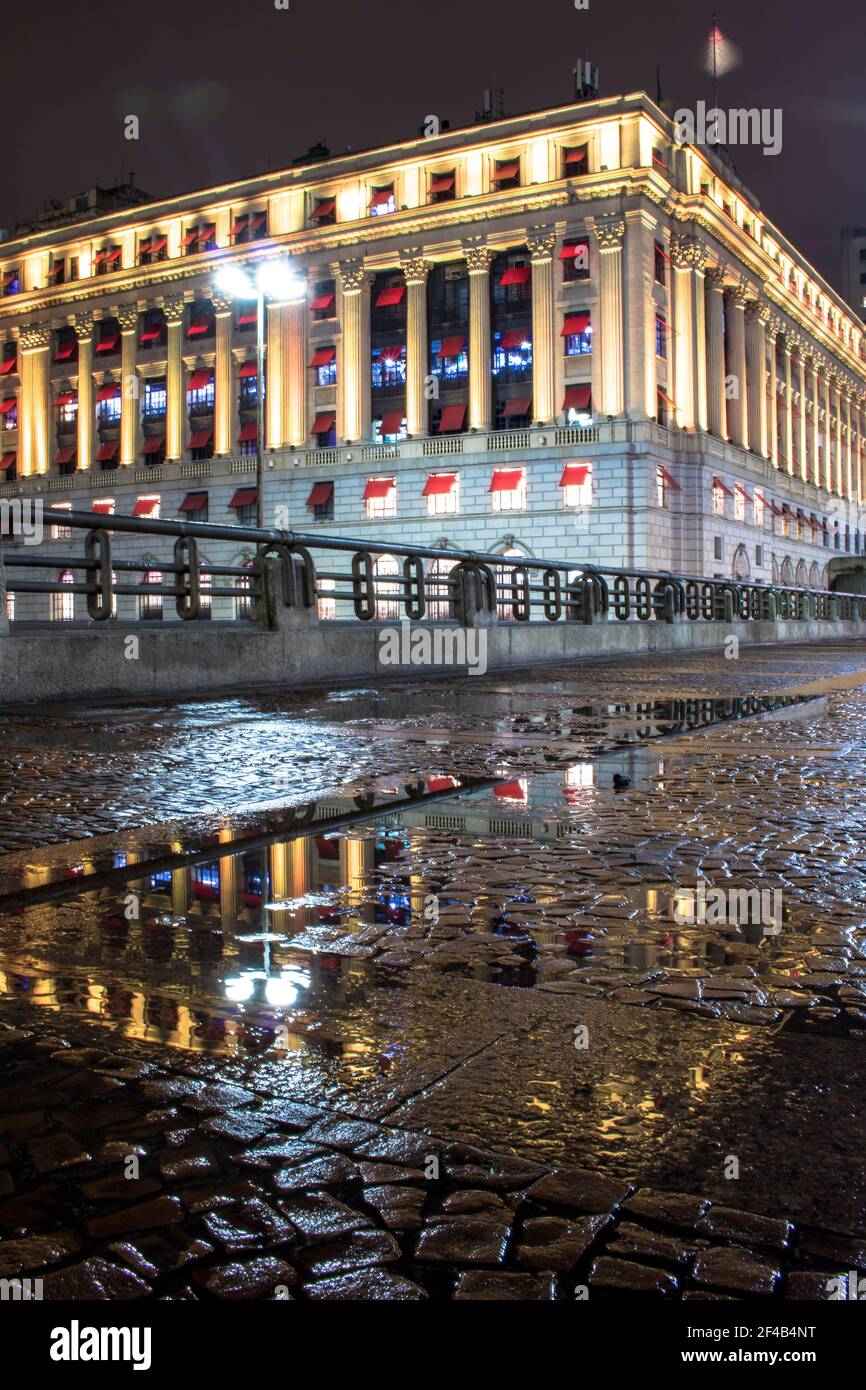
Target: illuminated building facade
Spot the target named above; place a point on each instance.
(558, 333)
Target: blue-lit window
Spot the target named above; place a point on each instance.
(393, 437)
(515, 359)
(155, 400)
(249, 393)
(327, 375)
(108, 412)
(577, 344)
(661, 337)
(11, 282)
(452, 371)
(201, 402)
(389, 371)
(161, 882)
(383, 201)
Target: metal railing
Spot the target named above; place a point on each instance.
(381, 580)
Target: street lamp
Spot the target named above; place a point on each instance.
(267, 280)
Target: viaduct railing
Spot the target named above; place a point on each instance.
(304, 572)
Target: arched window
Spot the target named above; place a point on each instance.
(438, 596)
(814, 575)
(801, 578)
(150, 605)
(741, 570)
(787, 571)
(503, 575)
(63, 605)
(775, 570)
(387, 589)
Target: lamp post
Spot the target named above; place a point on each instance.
(272, 279)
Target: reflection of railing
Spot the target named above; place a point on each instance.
(476, 584)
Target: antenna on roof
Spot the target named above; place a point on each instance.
(585, 80)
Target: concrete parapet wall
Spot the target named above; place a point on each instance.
(76, 663)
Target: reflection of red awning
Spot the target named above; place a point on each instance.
(200, 439)
(452, 347)
(323, 356)
(520, 406)
(510, 791)
(193, 502)
(244, 497)
(439, 484)
(247, 433)
(153, 444)
(717, 482)
(516, 337)
(574, 474)
(452, 418)
(324, 422)
(517, 275)
(577, 398)
(107, 453)
(575, 324)
(320, 494)
(441, 784)
(247, 370)
(506, 479)
(7, 365)
(145, 506)
(378, 487)
(394, 295)
(108, 393)
(68, 454)
(392, 422)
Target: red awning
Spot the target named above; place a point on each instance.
(145, 506)
(193, 502)
(441, 784)
(206, 233)
(505, 479)
(743, 490)
(200, 379)
(392, 353)
(323, 208)
(247, 433)
(392, 422)
(439, 484)
(8, 459)
(200, 439)
(189, 237)
(108, 393)
(452, 347)
(320, 494)
(7, 365)
(378, 487)
(323, 356)
(324, 301)
(508, 169)
(144, 247)
(112, 254)
(777, 511)
(103, 508)
(672, 482)
(510, 791)
(107, 452)
(668, 400)
(108, 342)
(247, 316)
(65, 398)
(576, 156)
(67, 455)
(573, 249)
(575, 324)
(65, 350)
(516, 337)
(517, 275)
(442, 183)
(577, 398)
(7, 405)
(200, 326)
(452, 418)
(324, 422)
(383, 196)
(248, 369)
(574, 474)
(520, 406)
(153, 444)
(259, 220)
(159, 244)
(394, 295)
(717, 482)
(150, 334)
(244, 497)
(240, 224)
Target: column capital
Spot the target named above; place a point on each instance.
(541, 242)
(715, 277)
(353, 276)
(739, 296)
(609, 233)
(688, 252)
(83, 325)
(414, 266)
(174, 309)
(127, 317)
(479, 256)
(223, 304)
(757, 311)
(33, 336)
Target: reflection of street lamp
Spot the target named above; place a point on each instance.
(267, 280)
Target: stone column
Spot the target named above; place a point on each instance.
(837, 435)
(224, 386)
(34, 402)
(714, 281)
(353, 354)
(860, 407)
(688, 258)
(416, 270)
(789, 413)
(130, 410)
(83, 325)
(296, 429)
(641, 230)
(773, 329)
(816, 423)
(609, 234)
(756, 370)
(478, 259)
(176, 411)
(541, 242)
(828, 441)
(738, 420)
(802, 427)
(849, 452)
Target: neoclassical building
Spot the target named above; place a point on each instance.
(559, 333)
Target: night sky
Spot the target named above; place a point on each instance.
(225, 90)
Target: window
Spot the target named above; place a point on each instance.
(759, 556)
(321, 501)
(380, 498)
(106, 260)
(660, 268)
(152, 329)
(575, 161)
(248, 383)
(438, 589)
(245, 603)
(9, 413)
(759, 505)
(512, 354)
(61, 533)
(450, 361)
(442, 493)
(389, 368)
(575, 260)
(73, 267)
(740, 497)
(718, 498)
(576, 484)
(108, 405)
(443, 187)
(382, 202)
(577, 332)
(155, 399)
(63, 605)
(718, 549)
(326, 606)
(200, 392)
(325, 364)
(506, 174)
(324, 303)
(150, 604)
(66, 411)
(508, 490)
(57, 273)
(324, 212)
(11, 281)
(661, 336)
(107, 342)
(663, 487)
(201, 320)
(388, 588)
(325, 429)
(390, 428)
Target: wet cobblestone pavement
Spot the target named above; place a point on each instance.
(472, 1043)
